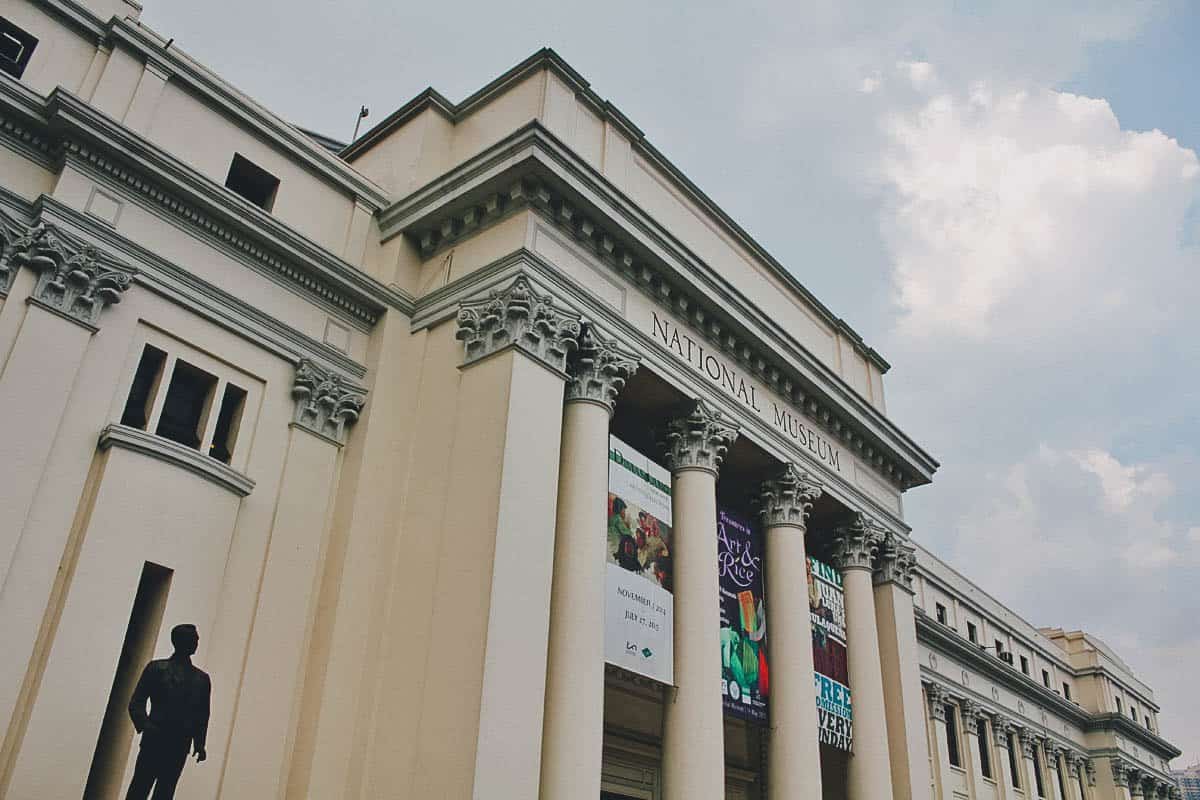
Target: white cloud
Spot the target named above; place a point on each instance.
(1028, 209)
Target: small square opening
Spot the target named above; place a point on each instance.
(229, 419)
(185, 408)
(16, 48)
(252, 182)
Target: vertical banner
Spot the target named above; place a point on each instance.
(744, 682)
(827, 610)
(638, 605)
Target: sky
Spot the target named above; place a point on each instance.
(1001, 198)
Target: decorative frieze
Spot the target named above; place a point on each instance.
(698, 438)
(896, 562)
(855, 544)
(598, 369)
(72, 279)
(787, 498)
(326, 403)
(519, 317)
(937, 697)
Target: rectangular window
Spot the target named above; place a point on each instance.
(941, 613)
(1119, 709)
(1133, 711)
(1066, 690)
(999, 647)
(985, 749)
(1025, 665)
(144, 388)
(952, 737)
(116, 734)
(228, 417)
(16, 48)
(1012, 761)
(1037, 772)
(972, 633)
(1046, 679)
(185, 411)
(252, 182)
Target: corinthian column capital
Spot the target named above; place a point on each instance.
(519, 317)
(855, 544)
(11, 232)
(698, 438)
(598, 369)
(1002, 726)
(73, 280)
(896, 562)
(326, 403)
(787, 498)
(937, 697)
(971, 712)
(1028, 739)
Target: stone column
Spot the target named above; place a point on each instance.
(937, 698)
(1001, 728)
(976, 739)
(326, 405)
(1073, 762)
(1137, 789)
(1122, 776)
(1028, 741)
(794, 751)
(693, 760)
(900, 661)
(573, 732)
(869, 773)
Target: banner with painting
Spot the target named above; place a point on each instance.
(638, 605)
(744, 675)
(827, 611)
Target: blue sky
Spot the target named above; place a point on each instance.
(1000, 197)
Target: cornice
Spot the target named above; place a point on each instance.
(945, 639)
(1119, 723)
(441, 305)
(188, 458)
(548, 59)
(182, 286)
(532, 170)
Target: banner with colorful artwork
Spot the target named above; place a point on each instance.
(638, 605)
(827, 612)
(744, 678)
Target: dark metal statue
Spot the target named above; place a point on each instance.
(178, 720)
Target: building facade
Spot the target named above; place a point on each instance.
(1188, 781)
(354, 411)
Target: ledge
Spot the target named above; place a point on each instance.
(1119, 723)
(193, 461)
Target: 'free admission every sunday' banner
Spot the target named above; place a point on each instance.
(827, 609)
(744, 683)
(638, 605)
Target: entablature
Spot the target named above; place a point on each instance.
(532, 170)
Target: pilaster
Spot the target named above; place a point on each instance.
(975, 731)
(937, 697)
(1028, 740)
(264, 730)
(1002, 728)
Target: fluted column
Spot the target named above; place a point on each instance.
(1122, 776)
(794, 750)
(693, 730)
(1073, 761)
(869, 774)
(937, 697)
(976, 740)
(573, 732)
(1001, 728)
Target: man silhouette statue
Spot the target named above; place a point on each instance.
(178, 720)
